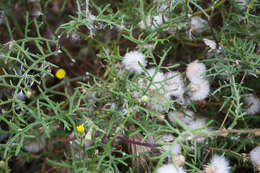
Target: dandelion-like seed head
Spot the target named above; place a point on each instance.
(80, 128)
(60, 74)
(199, 90)
(170, 147)
(179, 160)
(157, 80)
(195, 70)
(194, 87)
(131, 60)
(153, 21)
(218, 164)
(242, 3)
(34, 146)
(170, 169)
(186, 118)
(174, 84)
(210, 169)
(254, 104)
(255, 157)
(197, 24)
(158, 101)
(198, 124)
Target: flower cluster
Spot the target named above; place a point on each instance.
(163, 86)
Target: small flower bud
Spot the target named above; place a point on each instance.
(145, 99)
(88, 136)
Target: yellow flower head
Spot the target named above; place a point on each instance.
(80, 128)
(60, 74)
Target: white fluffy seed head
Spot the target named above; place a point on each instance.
(131, 60)
(137, 91)
(159, 101)
(186, 118)
(179, 160)
(242, 3)
(170, 146)
(170, 169)
(210, 43)
(255, 157)
(163, 7)
(198, 124)
(153, 21)
(218, 164)
(34, 146)
(253, 103)
(158, 20)
(174, 84)
(157, 80)
(199, 90)
(36, 13)
(195, 71)
(197, 24)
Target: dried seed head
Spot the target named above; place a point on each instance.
(170, 169)
(179, 160)
(210, 169)
(199, 90)
(218, 164)
(253, 103)
(195, 70)
(131, 61)
(174, 85)
(255, 157)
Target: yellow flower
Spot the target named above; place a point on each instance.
(80, 128)
(60, 74)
